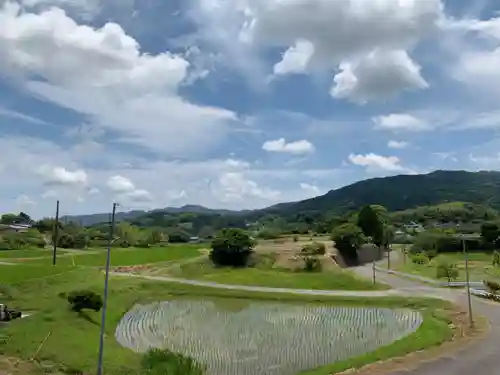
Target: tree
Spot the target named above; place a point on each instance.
(178, 236)
(231, 247)
(447, 270)
(490, 232)
(84, 299)
(371, 224)
(348, 239)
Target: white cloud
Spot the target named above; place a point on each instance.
(219, 183)
(120, 184)
(234, 187)
(310, 189)
(295, 59)
(102, 74)
(62, 176)
(377, 76)
(397, 144)
(376, 163)
(297, 147)
(401, 122)
(344, 32)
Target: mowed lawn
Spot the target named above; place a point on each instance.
(337, 279)
(125, 257)
(70, 340)
(480, 266)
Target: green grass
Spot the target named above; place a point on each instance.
(480, 267)
(73, 341)
(125, 257)
(265, 275)
(29, 253)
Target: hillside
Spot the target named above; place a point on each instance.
(92, 219)
(403, 192)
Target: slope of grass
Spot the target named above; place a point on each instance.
(265, 275)
(127, 257)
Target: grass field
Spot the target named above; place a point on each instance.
(9, 254)
(121, 257)
(278, 278)
(480, 266)
(73, 338)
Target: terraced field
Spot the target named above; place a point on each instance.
(257, 338)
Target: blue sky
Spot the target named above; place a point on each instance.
(238, 104)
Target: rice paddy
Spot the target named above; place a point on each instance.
(263, 338)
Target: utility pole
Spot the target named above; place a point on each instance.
(106, 282)
(467, 280)
(55, 235)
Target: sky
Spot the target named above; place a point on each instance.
(238, 103)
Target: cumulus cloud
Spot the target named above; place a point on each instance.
(301, 147)
(377, 76)
(325, 35)
(102, 74)
(377, 163)
(62, 176)
(401, 122)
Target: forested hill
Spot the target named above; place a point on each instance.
(404, 192)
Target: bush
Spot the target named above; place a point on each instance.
(447, 270)
(312, 264)
(84, 299)
(419, 258)
(165, 362)
(493, 286)
(496, 259)
(315, 248)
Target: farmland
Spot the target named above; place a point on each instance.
(480, 266)
(277, 264)
(260, 338)
(73, 349)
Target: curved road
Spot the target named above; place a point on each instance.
(481, 358)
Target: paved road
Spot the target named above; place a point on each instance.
(483, 358)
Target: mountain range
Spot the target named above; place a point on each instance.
(395, 193)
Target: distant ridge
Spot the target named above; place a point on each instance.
(395, 193)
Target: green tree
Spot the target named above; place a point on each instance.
(348, 239)
(370, 223)
(231, 247)
(447, 270)
(490, 232)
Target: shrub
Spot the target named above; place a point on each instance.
(315, 248)
(493, 286)
(311, 264)
(165, 362)
(419, 258)
(447, 270)
(496, 259)
(84, 299)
